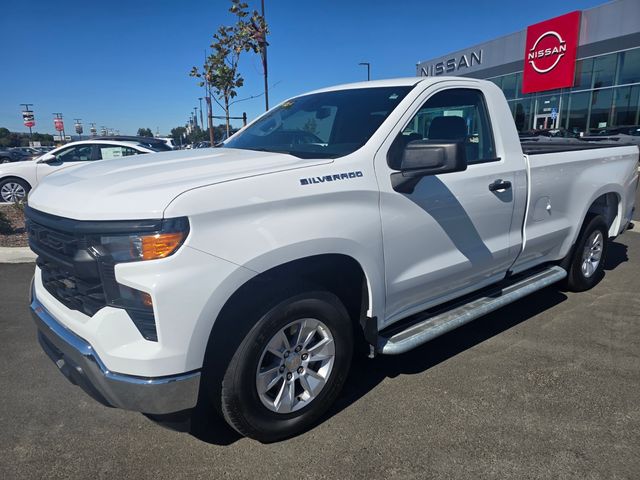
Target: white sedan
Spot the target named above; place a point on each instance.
(17, 178)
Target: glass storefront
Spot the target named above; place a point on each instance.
(606, 93)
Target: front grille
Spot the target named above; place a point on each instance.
(85, 296)
(80, 280)
(55, 241)
(57, 252)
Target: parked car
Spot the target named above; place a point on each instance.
(169, 141)
(246, 276)
(157, 144)
(17, 179)
(8, 155)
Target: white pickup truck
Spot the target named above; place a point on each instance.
(378, 214)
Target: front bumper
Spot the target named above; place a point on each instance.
(78, 361)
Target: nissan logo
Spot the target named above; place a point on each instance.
(557, 51)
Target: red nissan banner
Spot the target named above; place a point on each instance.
(58, 124)
(550, 53)
(28, 118)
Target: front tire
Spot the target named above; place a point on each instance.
(588, 257)
(13, 190)
(290, 367)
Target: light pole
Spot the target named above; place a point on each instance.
(368, 69)
(201, 120)
(195, 116)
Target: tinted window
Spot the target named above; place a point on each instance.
(81, 153)
(455, 115)
(604, 70)
(584, 69)
(629, 67)
(321, 125)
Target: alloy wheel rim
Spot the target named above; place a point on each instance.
(12, 192)
(592, 254)
(295, 365)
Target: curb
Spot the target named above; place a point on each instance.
(16, 255)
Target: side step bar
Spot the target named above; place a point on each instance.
(426, 328)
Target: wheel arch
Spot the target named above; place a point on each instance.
(337, 273)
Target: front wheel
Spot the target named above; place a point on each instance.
(587, 263)
(13, 190)
(290, 367)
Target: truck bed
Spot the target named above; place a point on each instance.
(542, 147)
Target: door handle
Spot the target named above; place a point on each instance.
(499, 185)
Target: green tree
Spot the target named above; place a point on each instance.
(178, 134)
(220, 70)
(145, 132)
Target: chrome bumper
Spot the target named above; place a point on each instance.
(77, 360)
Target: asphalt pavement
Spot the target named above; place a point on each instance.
(548, 387)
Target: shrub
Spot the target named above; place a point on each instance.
(5, 225)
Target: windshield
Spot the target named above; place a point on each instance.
(321, 125)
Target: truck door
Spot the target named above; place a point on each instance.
(452, 234)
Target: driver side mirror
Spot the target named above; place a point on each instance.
(427, 157)
(47, 158)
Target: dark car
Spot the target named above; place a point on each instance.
(153, 143)
(633, 130)
(12, 155)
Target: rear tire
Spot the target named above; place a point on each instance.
(586, 265)
(302, 388)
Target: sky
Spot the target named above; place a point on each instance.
(125, 64)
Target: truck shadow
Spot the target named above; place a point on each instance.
(367, 374)
(207, 426)
(616, 254)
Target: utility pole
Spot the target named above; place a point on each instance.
(207, 90)
(368, 69)
(195, 116)
(264, 61)
(29, 122)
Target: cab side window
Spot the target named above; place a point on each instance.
(81, 153)
(459, 115)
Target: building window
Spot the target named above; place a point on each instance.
(578, 111)
(601, 108)
(629, 67)
(625, 105)
(521, 110)
(497, 81)
(584, 69)
(604, 70)
(509, 86)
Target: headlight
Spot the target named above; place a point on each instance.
(151, 246)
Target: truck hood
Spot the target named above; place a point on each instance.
(141, 186)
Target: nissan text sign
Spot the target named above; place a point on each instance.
(550, 53)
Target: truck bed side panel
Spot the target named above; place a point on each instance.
(563, 187)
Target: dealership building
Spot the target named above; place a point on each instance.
(579, 71)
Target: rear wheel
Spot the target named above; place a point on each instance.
(588, 257)
(289, 368)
